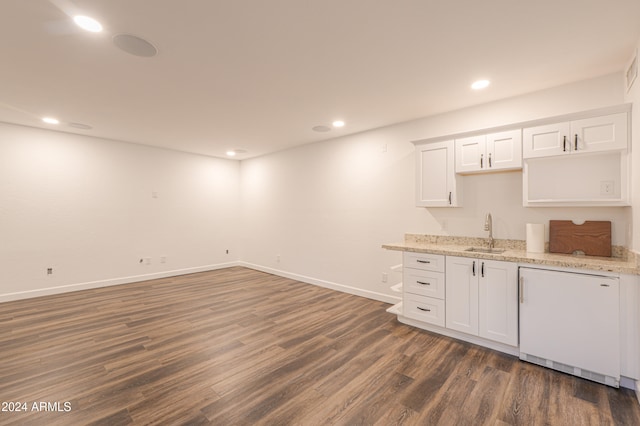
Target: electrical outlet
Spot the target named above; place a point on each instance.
(147, 261)
(49, 271)
(227, 251)
(163, 259)
(385, 277)
(278, 258)
(606, 187)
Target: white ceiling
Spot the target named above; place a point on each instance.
(258, 75)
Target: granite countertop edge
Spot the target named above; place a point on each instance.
(626, 265)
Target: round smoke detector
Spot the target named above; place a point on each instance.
(321, 129)
(135, 45)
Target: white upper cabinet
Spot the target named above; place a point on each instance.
(470, 154)
(603, 133)
(505, 150)
(558, 171)
(491, 152)
(600, 133)
(436, 181)
(545, 141)
(580, 159)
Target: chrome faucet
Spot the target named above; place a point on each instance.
(488, 226)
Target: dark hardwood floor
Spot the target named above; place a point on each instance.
(240, 347)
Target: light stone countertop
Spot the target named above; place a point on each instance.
(624, 262)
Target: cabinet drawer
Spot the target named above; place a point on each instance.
(423, 283)
(424, 261)
(425, 309)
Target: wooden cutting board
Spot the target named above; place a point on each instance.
(592, 237)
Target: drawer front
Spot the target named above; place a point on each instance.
(424, 261)
(423, 283)
(425, 309)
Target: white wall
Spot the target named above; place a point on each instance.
(84, 207)
(326, 208)
(633, 96)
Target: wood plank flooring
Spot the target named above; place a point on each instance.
(241, 347)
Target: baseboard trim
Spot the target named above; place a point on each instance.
(322, 283)
(628, 383)
(501, 347)
(8, 297)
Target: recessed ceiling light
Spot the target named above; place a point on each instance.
(237, 151)
(338, 123)
(480, 84)
(50, 120)
(87, 23)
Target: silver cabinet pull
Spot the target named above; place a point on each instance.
(423, 309)
(489, 160)
(449, 198)
(521, 290)
(423, 261)
(576, 142)
(481, 160)
(564, 143)
(482, 270)
(473, 268)
(421, 283)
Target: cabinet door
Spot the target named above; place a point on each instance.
(604, 133)
(471, 154)
(436, 184)
(504, 150)
(544, 141)
(461, 299)
(498, 301)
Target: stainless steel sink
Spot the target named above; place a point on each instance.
(485, 250)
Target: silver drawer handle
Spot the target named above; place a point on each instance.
(423, 261)
(423, 309)
(421, 283)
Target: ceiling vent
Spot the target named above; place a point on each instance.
(135, 45)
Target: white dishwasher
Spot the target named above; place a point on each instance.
(570, 322)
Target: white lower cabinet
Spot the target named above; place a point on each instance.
(482, 298)
(473, 296)
(462, 294)
(424, 287)
(426, 309)
(498, 302)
